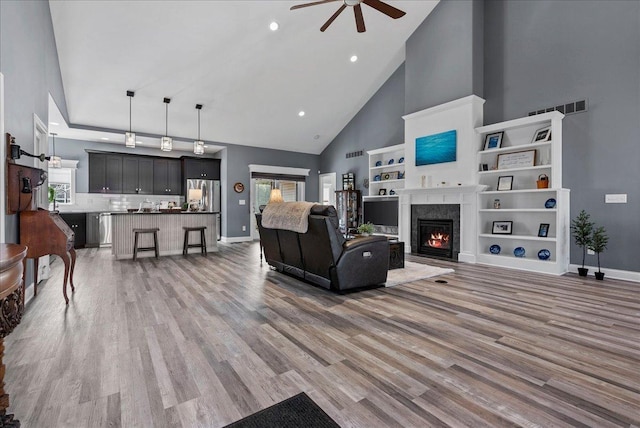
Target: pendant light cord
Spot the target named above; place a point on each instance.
(129, 114)
(198, 125)
(166, 121)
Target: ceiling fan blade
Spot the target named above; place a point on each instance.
(385, 8)
(357, 10)
(333, 18)
(300, 6)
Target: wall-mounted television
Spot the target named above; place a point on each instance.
(437, 148)
(383, 213)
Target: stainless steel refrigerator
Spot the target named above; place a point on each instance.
(210, 199)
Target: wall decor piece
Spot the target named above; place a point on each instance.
(437, 148)
(544, 254)
(543, 230)
(519, 252)
(550, 203)
(494, 249)
(517, 160)
(505, 182)
(542, 135)
(493, 141)
(502, 227)
(238, 187)
(382, 192)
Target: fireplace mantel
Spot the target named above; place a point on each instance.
(465, 196)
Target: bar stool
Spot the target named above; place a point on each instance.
(202, 244)
(135, 241)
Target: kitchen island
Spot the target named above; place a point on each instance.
(170, 235)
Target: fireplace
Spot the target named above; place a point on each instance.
(435, 238)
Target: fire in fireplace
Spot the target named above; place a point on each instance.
(435, 238)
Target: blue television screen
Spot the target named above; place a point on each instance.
(437, 148)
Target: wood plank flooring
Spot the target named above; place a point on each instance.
(203, 341)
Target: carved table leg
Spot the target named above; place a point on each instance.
(6, 420)
(66, 258)
(73, 265)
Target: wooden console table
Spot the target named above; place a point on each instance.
(11, 309)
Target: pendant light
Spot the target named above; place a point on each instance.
(55, 161)
(130, 137)
(198, 145)
(166, 143)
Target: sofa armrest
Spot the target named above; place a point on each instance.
(364, 240)
(364, 262)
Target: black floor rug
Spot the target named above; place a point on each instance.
(297, 411)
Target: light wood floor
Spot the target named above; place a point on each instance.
(201, 341)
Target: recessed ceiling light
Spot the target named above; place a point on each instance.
(54, 123)
(274, 26)
(104, 138)
(301, 113)
(354, 58)
(315, 137)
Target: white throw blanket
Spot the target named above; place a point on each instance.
(287, 216)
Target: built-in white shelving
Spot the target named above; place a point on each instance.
(525, 206)
(385, 163)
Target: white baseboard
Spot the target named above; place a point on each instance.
(234, 239)
(626, 275)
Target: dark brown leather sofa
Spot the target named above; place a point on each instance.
(322, 256)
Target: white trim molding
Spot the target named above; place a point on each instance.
(626, 275)
(235, 239)
(278, 169)
(3, 155)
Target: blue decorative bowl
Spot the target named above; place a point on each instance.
(494, 249)
(401, 160)
(544, 254)
(519, 252)
(377, 178)
(379, 163)
(390, 161)
(550, 203)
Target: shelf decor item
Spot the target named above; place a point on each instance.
(392, 192)
(401, 160)
(581, 229)
(542, 135)
(386, 176)
(505, 182)
(494, 249)
(519, 252)
(517, 160)
(544, 254)
(543, 181)
(366, 229)
(379, 163)
(496, 204)
(393, 175)
(348, 181)
(493, 141)
(390, 162)
(377, 177)
(502, 227)
(543, 230)
(599, 240)
(382, 192)
(550, 203)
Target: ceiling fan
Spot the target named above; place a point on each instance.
(357, 10)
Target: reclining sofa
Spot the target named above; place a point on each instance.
(322, 256)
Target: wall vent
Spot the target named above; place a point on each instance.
(355, 154)
(568, 108)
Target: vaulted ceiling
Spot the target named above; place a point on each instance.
(252, 81)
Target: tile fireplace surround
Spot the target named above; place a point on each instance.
(464, 196)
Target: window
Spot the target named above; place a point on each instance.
(63, 182)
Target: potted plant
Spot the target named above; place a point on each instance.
(581, 229)
(598, 244)
(366, 229)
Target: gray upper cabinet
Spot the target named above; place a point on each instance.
(166, 177)
(105, 173)
(137, 175)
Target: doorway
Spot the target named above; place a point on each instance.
(327, 189)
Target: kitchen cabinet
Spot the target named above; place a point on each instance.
(166, 177)
(137, 175)
(92, 230)
(105, 173)
(77, 222)
(207, 169)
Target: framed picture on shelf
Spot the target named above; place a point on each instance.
(543, 230)
(517, 159)
(505, 182)
(382, 192)
(542, 135)
(493, 141)
(502, 227)
(393, 175)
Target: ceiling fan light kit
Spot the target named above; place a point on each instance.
(198, 145)
(378, 5)
(166, 143)
(130, 137)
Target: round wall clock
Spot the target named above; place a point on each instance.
(238, 187)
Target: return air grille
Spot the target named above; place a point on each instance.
(355, 154)
(568, 108)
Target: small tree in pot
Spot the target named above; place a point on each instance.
(599, 240)
(581, 229)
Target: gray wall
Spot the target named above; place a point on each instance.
(544, 53)
(378, 124)
(440, 62)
